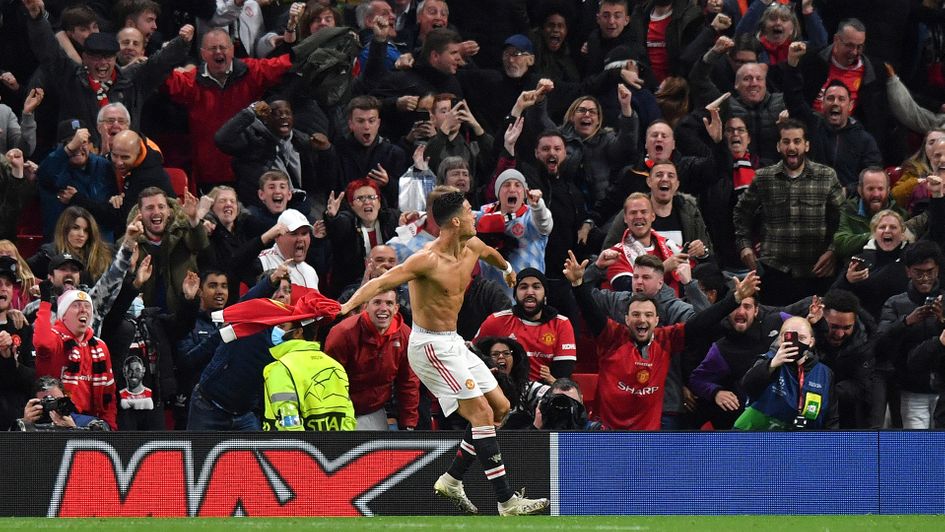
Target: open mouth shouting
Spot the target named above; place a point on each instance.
(551, 164)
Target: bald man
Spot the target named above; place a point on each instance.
(789, 389)
(130, 47)
(135, 167)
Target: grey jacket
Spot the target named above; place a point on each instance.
(103, 294)
(907, 112)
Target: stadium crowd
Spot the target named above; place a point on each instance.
(721, 213)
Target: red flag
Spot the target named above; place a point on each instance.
(256, 315)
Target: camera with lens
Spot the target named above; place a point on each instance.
(61, 405)
(561, 412)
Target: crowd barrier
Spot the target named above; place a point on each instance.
(178, 474)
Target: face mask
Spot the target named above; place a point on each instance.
(277, 336)
(137, 305)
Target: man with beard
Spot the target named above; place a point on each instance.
(173, 236)
(748, 330)
(908, 320)
(635, 356)
(492, 92)
(291, 249)
(872, 196)
(566, 200)
(797, 203)
(648, 279)
(548, 337)
(845, 345)
(837, 139)
(372, 347)
(519, 223)
(263, 137)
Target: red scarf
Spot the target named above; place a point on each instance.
(743, 172)
(776, 53)
(101, 88)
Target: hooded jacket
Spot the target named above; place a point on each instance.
(374, 361)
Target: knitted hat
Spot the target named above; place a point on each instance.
(71, 296)
(511, 173)
(532, 272)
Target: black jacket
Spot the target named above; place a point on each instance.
(347, 246)
(348, 160)
(896, 341)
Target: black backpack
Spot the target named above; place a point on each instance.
(324, 60)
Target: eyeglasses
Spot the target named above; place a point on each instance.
(586, 111)
(366, 198)
(512, 52)
(113, 121)
(497, 354)
(925, 274)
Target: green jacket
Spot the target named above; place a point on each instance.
(854, 230)
(305, 389)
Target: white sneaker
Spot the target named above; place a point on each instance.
(519, 505)
(454, 491)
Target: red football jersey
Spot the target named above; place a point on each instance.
(630, 386)
(544, 342)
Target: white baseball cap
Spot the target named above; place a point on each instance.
(293, 219)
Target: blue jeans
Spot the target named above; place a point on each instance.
(204, 415)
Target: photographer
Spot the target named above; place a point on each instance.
(51, 408)
(789, 388)
(562, 408)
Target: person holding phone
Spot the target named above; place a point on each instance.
(789, 388)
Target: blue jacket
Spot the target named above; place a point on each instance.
(92, 184)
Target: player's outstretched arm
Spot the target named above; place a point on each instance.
(493, 257)
(410, 269)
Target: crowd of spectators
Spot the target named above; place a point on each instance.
(722, 213)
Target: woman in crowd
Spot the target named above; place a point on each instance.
(76, 233)
(916, 167)
(24, 276)
(510, 364)
(877, 273)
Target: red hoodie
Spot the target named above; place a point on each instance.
(83, 364)
(374, 361)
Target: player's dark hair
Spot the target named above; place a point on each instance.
(447, 206)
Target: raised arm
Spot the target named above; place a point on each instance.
(415, 266)
(494, 258)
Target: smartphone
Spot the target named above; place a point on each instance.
(685, 247)
(790, 337)
(930, 300)
(76, 125)
(860, 263)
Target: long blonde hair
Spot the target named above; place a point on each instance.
(569, 115)
(24, 273)
(95, 253)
